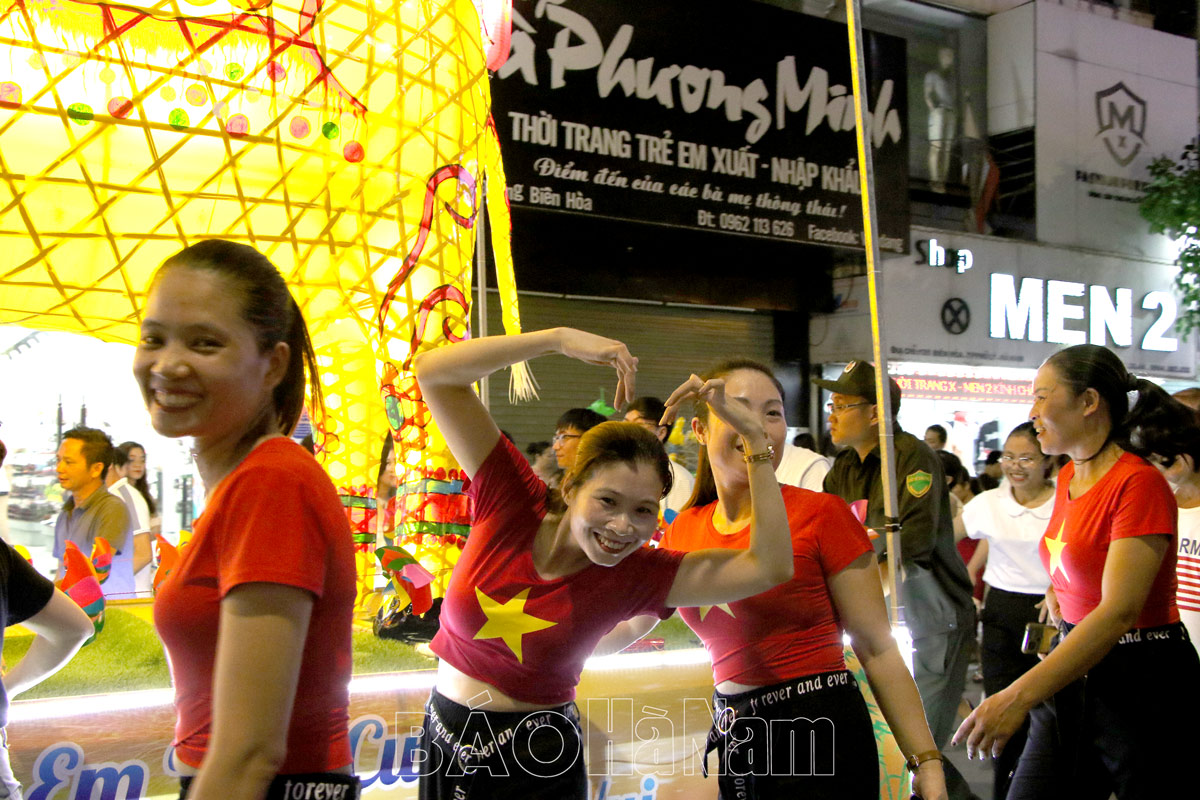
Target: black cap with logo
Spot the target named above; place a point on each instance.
(858, 380)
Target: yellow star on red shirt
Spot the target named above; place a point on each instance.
(723, 606)
(1055, 546)
(508, 621)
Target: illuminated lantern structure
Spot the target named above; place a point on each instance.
(349, 142)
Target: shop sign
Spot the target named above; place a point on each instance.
(690, 114)
(1030, 300)
(989, 390)
(1101, 120)
(935, 255)
(1039, 311)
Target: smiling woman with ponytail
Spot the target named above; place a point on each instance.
(256, 616)
(1110, 551)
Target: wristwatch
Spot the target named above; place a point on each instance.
(917, 759)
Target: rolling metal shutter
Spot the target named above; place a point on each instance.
(670, 342)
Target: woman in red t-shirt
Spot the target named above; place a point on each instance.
(543, 578)
(1103, 700)
(256, 615)
(778, 657)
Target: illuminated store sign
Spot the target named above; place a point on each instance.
(935, 255)
(1040, 311)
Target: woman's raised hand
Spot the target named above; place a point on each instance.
(736, 414)
(603, 352)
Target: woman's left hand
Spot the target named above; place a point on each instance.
(992, 724)
(736, 415)
(929, 781)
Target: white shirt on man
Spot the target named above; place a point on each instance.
(802, 467)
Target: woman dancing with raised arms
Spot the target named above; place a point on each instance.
(543, 578)
(778, 657)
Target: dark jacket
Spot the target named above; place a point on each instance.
(936, 591)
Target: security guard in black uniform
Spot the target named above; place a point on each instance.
(935, 588)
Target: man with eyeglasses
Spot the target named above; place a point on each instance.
(647, 411)
(574, 423)
(935, 588)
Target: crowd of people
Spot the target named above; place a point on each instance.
(771, 554)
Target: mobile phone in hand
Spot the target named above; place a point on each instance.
(1039, 638)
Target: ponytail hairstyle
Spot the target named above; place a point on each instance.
(612, 443)
(1144, 418)
(1164, 427)
(1027, 430)
(705, 489)
(269, 308)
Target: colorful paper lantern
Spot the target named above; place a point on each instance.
(350, 143)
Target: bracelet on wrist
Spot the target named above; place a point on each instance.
(765, 455)
(917, 759)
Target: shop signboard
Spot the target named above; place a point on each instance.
(1015, 304)
(732, 117)
(1110, 98)
(964, 389)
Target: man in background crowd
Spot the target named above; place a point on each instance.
(935, 586)
(89, 509)
(935, 437)
(574, 422)
(801, 465)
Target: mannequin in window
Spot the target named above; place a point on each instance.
(941, 98)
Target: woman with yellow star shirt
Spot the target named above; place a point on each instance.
(1103, 698)
(544, 576)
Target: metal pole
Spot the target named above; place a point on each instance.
(883, 395)
(481, 272)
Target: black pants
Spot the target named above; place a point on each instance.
(1005, 615)
(500, 755)
(1122, 728)
(307, 786)
(810, 737)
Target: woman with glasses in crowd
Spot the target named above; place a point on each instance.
(1111, 702)
(1009, 522)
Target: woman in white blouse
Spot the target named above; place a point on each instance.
(1010, 520)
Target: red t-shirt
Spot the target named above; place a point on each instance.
(791, 630)
(1132, 499)
(503, 624)
(275, 519)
